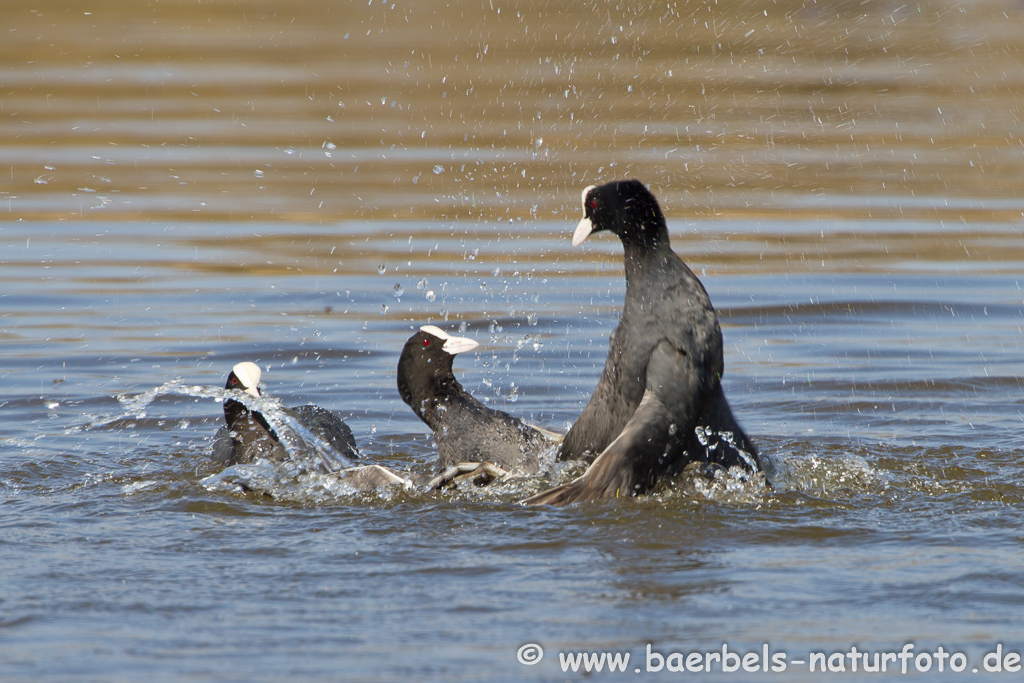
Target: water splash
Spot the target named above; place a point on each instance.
(733, 485)
(303, 446)
(288, 481)
(134, 487)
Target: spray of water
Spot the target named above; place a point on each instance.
(303, 446)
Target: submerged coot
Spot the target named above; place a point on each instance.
(249, 436)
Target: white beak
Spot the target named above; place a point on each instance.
(584, 227)
(582, 232)
(452, 345)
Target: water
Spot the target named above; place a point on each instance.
(185, 191)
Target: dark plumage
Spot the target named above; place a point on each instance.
(465, 430)
(249, 436)
(659, 403)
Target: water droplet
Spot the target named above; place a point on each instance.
(257, 173)
(463, 326)
(672, 429)
(439, 169)
(383, 309)
(422, 284)
(531, 319)
(399, 291)
(430, 295)
(513, 393)
(381, 269)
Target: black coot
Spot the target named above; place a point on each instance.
(249, 436)
(465, 429)
(659, 404)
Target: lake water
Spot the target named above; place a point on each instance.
(188, 185)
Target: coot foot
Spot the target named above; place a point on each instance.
(476, 473)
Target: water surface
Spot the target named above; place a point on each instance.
(303, 185)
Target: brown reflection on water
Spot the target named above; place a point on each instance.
(443, 251)
(443, 110)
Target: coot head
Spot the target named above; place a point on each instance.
(245, 377)
(425, 367)
(626, 208)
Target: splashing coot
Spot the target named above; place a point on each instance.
(249, 436)
(659, 404)
(465, 429)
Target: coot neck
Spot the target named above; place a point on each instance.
(232, 411)
(442, 391)
(647, 260)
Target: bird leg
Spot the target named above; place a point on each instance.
(477, 473)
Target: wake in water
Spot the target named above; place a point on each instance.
(291, 481)
(302, 446)
(316, 473)
(314, 469)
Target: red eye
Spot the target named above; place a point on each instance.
(593, 203)
(426, 342)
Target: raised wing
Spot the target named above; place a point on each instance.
(649, 442)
